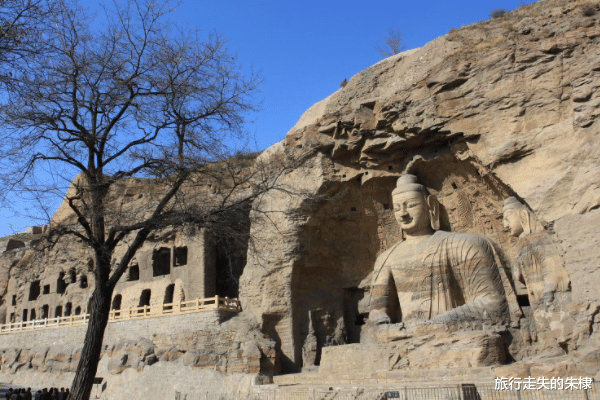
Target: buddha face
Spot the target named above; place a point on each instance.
(411, 212)
(512, 222)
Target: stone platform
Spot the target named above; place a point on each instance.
(428, 377)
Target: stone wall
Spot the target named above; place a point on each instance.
(218, 341)
(133, 329)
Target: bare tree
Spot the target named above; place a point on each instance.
(135, 100)
(393, 44)
(24, 28)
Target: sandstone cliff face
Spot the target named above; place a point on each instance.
(502, 108)
(506, 107)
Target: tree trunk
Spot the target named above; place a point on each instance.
(92, 346)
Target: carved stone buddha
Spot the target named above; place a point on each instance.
(539, 264)
(439, 277)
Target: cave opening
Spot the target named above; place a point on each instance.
(169, 291)
(144, 298)
(134, 273)
(116, 304)
(34, 290)
(161, 261)
(180, 256)
(230, 262)
(61, 285)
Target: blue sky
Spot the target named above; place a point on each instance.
(304, 49)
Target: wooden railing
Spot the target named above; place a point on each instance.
(181, 307)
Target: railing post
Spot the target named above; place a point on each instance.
(217, 302)
(179, 307)
(145, 310)
(197, 304)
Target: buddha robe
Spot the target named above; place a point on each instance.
(454, 278)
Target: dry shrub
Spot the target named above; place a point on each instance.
(498, 13)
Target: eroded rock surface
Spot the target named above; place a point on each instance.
(506, 107)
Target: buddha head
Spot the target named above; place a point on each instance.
(416, 211)
(517, 218)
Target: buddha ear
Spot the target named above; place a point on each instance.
(434, 211)
(525, 220)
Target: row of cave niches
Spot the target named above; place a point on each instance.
(145, 297)
(163, 259)
(37, 291)
(35, 288)
(44, 312)
(229, 264)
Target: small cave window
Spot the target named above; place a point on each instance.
(68, 308)
(134, 273)
(32, 314)
(116, 304)
(25, 311)
(169, 294)
(34, 290)
(14, 300)
(77, 311)
(61, 285)
(523, 300)
(83, 283)
(145, 298)
(12, 317)
(390, 167)
(161, 261)
(58, 311)
(45, 309)
(353, 209)
(46, 289)
(386, 206)
(454, 185)
(181, 255)
(72, 275)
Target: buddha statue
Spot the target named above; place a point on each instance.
(539, 264)
(439, 277)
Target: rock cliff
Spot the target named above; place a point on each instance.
(505, 107)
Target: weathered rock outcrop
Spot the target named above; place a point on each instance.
(506, 107)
